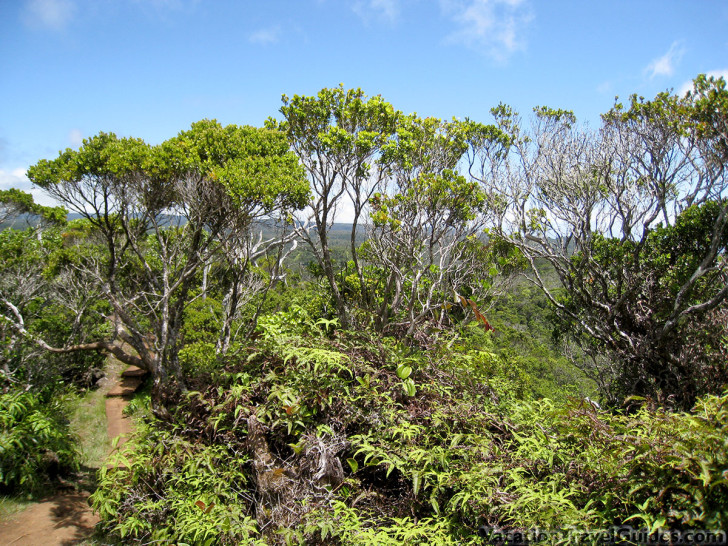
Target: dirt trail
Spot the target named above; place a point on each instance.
(65, 519)
(118, 424)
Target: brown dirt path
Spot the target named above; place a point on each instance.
(118, 424)
(66, 519)
(63, 519)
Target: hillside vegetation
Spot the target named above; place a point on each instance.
(523, 329)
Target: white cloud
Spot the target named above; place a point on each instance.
(665, 65)
(265, 36)
(50, 14)
(16, 179)
(75, 137)
(388, 10)
(495, 28)
(688, 85)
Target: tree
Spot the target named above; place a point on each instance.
(155, 217)
(338, 137)
(425, 238)
(31, 295)
(633, 219)
(677, 361)
(15, 203)
(27, 284)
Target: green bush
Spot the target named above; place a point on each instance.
(431, 444)
(174, 490)
(35, 443)
(198, 358)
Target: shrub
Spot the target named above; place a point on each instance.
(35, 443)
(322, 436)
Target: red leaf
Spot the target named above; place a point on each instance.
(205, 509)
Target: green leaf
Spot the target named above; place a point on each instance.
(435, 505)
(416, 481)
(353, 464)
(409, 387)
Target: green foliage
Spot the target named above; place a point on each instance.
(448, 197)
(173, 479)
(35, 443)
(32, 287)
(632, 218)
(14, 202)
(654, 468)
(198, 358)
(424, 239)
(468, 447)
(524, 326)
(425, 146)
(645, 284)
(139, 406)
(254, 165)
(318, 434)
(157, 217)
(710, 102)
(341, 122)
(202, 320)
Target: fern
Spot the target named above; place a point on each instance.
(34, 440)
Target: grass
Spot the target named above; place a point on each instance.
(87, 416)
(12, 505)
(88, 423)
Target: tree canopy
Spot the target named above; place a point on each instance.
(156, 216)
(633, 218)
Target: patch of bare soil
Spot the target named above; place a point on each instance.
(61, 520)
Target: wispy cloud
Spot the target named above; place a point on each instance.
(688, 85)
(605, 88)
(665, 65)
(49, 14)
(496, 28)
(265, 36)
(75, 137)
(387, 10)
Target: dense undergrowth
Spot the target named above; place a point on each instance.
(36, 445)
(322, 436)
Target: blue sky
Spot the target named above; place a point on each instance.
(149, 68)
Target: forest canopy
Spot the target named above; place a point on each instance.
(631, 216)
